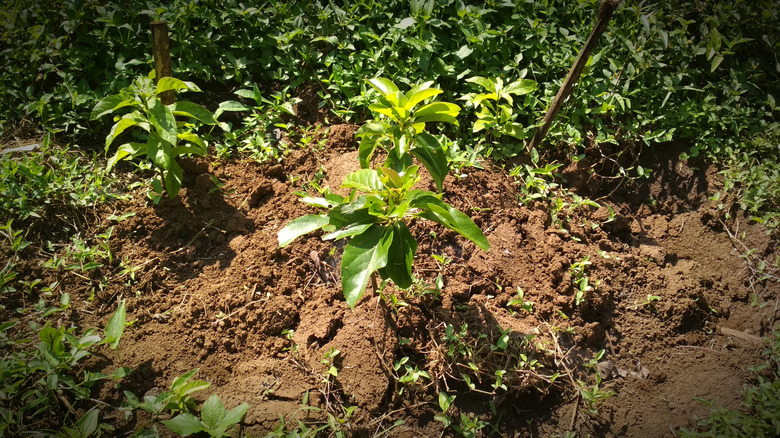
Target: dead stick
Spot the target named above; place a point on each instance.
(606, 9)
(161, 49)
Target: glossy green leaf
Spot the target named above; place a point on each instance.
(119, 127)
(523, 86)
(715, 63)
(351, 230)
(88, 423)
(437, 112)
(393, 177)
(163, 120)
(355, 212)
(383, 85)
(485, 83)
(400, 256)
(383, 109)
(431, 155)
(235, 415)
(109, 104)
(365, 180)
(230, 105)
(157, 152)
(170, 83)
(420, 96)
(438, 108)
(198, 112)
(300, 226)
(366, 150)
(173, 179)
(363, 255)
(435, 209)
(126, 150)
(199, 147)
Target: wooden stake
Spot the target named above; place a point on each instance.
(606, 9)
(162, 56)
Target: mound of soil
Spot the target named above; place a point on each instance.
(669, 304)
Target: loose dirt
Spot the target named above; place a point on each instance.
(216, 292)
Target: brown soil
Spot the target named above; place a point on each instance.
(216, 292)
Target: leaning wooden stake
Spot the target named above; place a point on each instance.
(162, 56)
(606, 9)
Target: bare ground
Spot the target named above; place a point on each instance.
(215, 292)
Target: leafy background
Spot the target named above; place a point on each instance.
(701, 72)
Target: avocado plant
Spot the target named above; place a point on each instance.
(166, 137)
(383, 201)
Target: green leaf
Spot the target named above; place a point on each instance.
(406, 23)
(355, 212)
(300, 226)
(123, 123)
(363, 255)
(155, 151)
(88, 423)
(365, 180)
(437, 111)
(715, 39)
(109, 104)
(383, 85)
(126, 150)
(179, 382)
(163, 120)
(439, 211)
(212, 412)
(485, 83)
(366, 149)
(199, 150)
(198, 112)
(189, 387)
(464, 52)
(120, 373)
(169, 83)
(400, 257)
(235, 415)
(184, 424)
(230, 105)
(523, 86)
(173, 179)
(115, 326)
(421, 95)
(393, 177)
(715, 62)
(351, 230)
(431, 155)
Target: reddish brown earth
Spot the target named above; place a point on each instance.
(216, 292)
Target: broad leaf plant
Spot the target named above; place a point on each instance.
(383, 200)
(166, 137)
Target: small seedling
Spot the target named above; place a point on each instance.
(526, 306)
(581, 280)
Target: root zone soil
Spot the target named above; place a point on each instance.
(215, 292)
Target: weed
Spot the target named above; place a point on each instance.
(496, 110)
(40, 384)
(526, 306)
(337, 424)
(761, 414)
(49, 180)
(582, 285)
(649, 302)
(535, 183)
